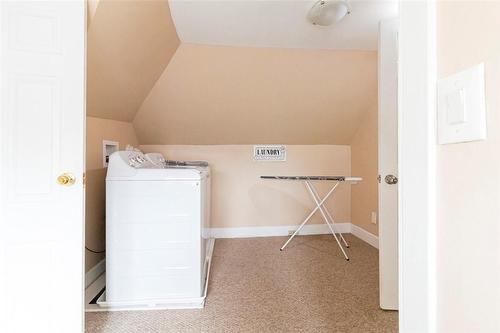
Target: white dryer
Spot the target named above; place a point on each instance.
(157, 241)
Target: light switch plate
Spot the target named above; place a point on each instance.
(462, 106)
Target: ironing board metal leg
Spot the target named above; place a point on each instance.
(329, 216)
(309, 216)
(320, 206)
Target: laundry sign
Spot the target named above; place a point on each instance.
(269, 153)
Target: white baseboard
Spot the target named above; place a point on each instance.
(308, 229)
(95, 272)
(249, 232)
(364, 235)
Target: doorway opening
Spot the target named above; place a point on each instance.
(217, 102)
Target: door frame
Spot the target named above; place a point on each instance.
(417, 164)
(417, 140)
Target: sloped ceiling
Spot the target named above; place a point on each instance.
(301, 85)
(278, 23)
(129, 44)
(235, 95)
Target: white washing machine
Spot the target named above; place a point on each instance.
(158, 248)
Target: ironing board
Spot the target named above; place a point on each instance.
(320, 202)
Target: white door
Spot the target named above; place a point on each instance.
(42, 113)
(388, 164)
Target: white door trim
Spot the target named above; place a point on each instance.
(3, 259)
(417, 145)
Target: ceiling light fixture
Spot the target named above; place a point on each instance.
(328, 12)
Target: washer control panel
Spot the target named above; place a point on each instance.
(138, 160)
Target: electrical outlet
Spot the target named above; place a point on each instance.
(374, 218)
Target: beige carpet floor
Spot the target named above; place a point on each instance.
(256, 288)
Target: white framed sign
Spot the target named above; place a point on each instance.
(269, 153)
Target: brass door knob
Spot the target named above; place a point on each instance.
(66, 179)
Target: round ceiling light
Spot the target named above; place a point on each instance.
(328, 12)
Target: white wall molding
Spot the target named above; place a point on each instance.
(249, 232)
(308, 229)
(95, 272)
(364, 235)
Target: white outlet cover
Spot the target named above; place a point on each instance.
(462, 106)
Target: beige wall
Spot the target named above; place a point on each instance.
(230, 97)
(98, 130)
(129, 44)
(364, 157)
(241, 199)
(237, 95)
(468, 233)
